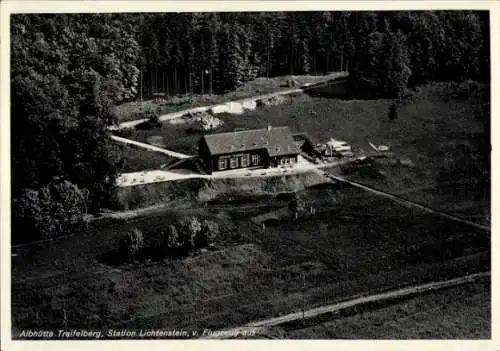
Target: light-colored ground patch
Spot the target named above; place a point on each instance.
(149, 147)
(174, 107)
(160, 175)
(156, 140)
(234, 107)
(250, 105)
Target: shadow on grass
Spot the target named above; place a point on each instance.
(148, 254)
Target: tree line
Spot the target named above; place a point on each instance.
(69, 70)
(215, 52)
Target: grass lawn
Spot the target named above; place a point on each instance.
(448, 314)
(133, 110)
(439, 132)
(355, 243)
(138, 159)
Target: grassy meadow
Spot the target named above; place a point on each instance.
(439, 142)
(354, 243)
(133, 110)
(447, 314)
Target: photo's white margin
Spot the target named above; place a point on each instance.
(8, 7)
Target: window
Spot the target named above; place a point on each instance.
(245, 160)
(233, 162)
(222, 163)
(255, 159)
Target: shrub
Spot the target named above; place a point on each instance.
(203, 121)
(171, 239)
(208, 233)
(467, 90)
(179, 100)
(296, 205)
(154, 120)
(189, 228)
(132, 243)
(50, 211)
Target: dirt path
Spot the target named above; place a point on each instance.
(389, 295)
(241, 102)
(150, 147)
(168, 174)
(407, 203)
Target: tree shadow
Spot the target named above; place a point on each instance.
(342, 90)
(112, 258)
(331, 89)
(147, 254)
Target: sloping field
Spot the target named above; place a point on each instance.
(137, 159)
(440, 140)
(447, 314)
(354, 243)
(200, 191)
(133, 110)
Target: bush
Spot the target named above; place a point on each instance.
(189, 234)
(296, 204)
(203, 121)
(132, 243)
(208, 233)
(189, 228)
(50, 211)
(171, 239)
(179, 100)
(154, 120)
(467, 90)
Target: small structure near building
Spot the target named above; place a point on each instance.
(258, 148)
(337, 148)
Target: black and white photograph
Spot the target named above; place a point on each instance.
(286, 175)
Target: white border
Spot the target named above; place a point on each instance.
(11, 6)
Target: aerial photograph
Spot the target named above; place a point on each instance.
(250, 175)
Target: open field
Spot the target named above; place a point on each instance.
(446, 314)
(439, 141)
(133, 110)
(355, 243)
(138, 159)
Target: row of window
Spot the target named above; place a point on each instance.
(287, 161)
(244, 161)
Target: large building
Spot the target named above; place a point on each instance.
(258, 148)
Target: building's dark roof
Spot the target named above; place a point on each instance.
(276, 140)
